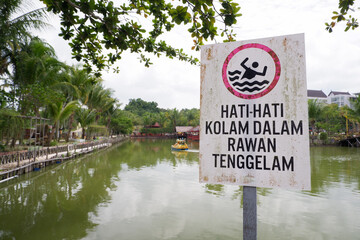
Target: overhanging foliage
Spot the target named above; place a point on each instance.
(93, 26)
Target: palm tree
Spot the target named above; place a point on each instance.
(173, 116)
(59, 112)
(76, 86)
(161, 118)
(100, 99)
(314, 110)
(111, 112)
(11, 126)
(85, 118)
(15, 29)
(15, 32)
(37, 73)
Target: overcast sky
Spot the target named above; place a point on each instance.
(332, 60)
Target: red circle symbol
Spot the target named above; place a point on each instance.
(264, 91)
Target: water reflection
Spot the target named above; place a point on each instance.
(215, 189)
(142, 190)
(333, 165)
(53, 204)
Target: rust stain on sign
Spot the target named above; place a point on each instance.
(202, 78)
(292, 180)
(209, 53)
(285, 43)
(226, 178)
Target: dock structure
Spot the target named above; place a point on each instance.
(350, 142)
(15, 164)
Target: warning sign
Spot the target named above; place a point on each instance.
(254, 121)
(257, 73)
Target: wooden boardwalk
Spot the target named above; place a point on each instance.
(20, 163)
(350, 142)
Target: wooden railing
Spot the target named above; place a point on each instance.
(31, 155)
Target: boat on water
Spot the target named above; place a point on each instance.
(180, 145)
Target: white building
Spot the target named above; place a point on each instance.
(341, 98)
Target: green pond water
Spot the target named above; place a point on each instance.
(141, 190)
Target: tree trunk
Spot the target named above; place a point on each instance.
(108, 125)
(71, 119)
(51, 135)
(13, 141)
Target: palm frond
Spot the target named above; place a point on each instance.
(31, 20)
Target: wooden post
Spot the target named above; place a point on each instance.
(43, 133)
(30, 130)
(249, 213)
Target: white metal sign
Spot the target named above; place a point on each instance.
(254, 113)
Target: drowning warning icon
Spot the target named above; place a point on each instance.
(251, 71)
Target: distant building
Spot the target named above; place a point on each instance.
(341, 98)
(183, 131)
(194, 133)
(334, 97)
(318, 95)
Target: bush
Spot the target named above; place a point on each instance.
(53, 143)
(323, 136)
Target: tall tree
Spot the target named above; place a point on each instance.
(11, 126)
(331, 119)
(140, 107)
(173, 116)
(15, 29)
(58, 112)
(76, 85)
(100, 99)
(36, 72)
(315, 112)
(85, 117)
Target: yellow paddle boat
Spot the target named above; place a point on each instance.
(180, 145)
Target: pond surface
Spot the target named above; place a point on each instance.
(141, 190)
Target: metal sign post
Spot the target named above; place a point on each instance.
(254, 118)
(249, 213)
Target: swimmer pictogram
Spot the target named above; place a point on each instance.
(247, 77)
